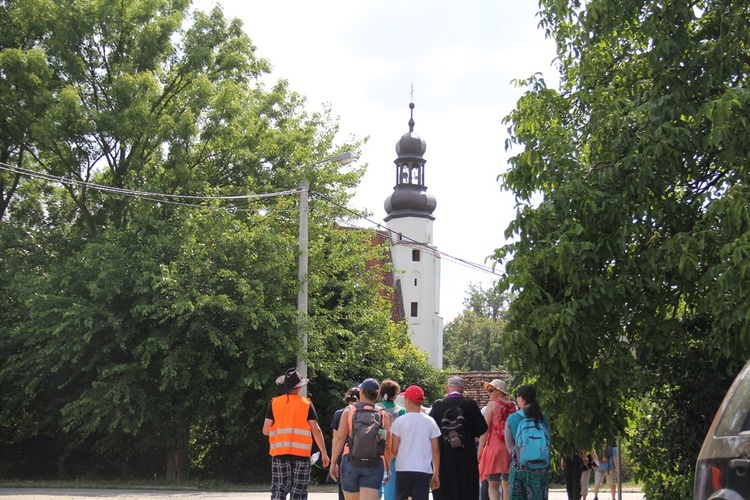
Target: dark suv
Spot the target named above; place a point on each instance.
(723, 467)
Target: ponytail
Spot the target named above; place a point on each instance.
(533, 410)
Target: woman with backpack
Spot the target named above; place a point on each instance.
(527, 438)
(351, 397)
(494, 458)
(363, 438)
(389, 389)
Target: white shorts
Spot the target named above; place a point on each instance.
(585, 475)
(609, 477)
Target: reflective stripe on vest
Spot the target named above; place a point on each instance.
(290, 433)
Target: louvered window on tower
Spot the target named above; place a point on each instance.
(415, 256)
(414, 310)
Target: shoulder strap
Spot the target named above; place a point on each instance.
(384, 415)
(352, 409)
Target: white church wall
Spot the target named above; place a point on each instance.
(409, 234)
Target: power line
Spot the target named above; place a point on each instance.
(440, 254)
(173, 199)
(146, 195)
(423, 246)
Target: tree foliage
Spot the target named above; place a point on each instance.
(632, 223)
(148, 301)
(473, 340)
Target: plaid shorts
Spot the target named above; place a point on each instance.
(289, 476)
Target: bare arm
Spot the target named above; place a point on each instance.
(510, 442)
(389, 454)
(339, 440)
(395, 444)
(267, 423)
(435, 481)
(488, 419)
(319, 440)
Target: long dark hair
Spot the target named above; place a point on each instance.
(532, 409)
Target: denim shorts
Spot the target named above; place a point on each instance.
(354, 477)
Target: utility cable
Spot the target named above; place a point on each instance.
(172, 199)
(431, 250)
(133, 193)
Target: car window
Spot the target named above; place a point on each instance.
(736, 417)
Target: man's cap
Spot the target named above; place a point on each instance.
(369, 385)
(290, 381)
(455, 382)
(415, 394)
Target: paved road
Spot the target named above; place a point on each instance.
(88, 494)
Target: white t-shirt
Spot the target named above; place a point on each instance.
(416, 431)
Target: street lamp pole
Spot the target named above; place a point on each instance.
(302, 287)
(302, 295)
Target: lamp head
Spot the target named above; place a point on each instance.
(344, 158)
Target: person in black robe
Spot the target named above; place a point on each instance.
(459, 467)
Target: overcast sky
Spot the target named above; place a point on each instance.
(362, 57)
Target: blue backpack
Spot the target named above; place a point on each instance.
(533, 444)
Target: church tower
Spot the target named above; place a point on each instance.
(416, 261)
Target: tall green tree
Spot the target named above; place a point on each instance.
(631, 241)
(473, 340)
(152, 296)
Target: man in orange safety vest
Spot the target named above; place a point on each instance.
(291, 424)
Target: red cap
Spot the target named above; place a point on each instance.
(414, 393)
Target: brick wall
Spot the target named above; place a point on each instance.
(474, 384)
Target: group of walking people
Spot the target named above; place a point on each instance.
(450, 449)
(577, 469)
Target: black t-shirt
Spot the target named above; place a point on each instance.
(337, 419)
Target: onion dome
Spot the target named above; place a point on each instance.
(410, 197)
(410, 201)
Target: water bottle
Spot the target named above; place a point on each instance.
(314, 457)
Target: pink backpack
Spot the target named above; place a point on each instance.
(500, 415)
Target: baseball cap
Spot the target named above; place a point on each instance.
(369, 385)
(415, 394)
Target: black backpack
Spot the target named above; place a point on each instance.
(366, 435)
(452, 427)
